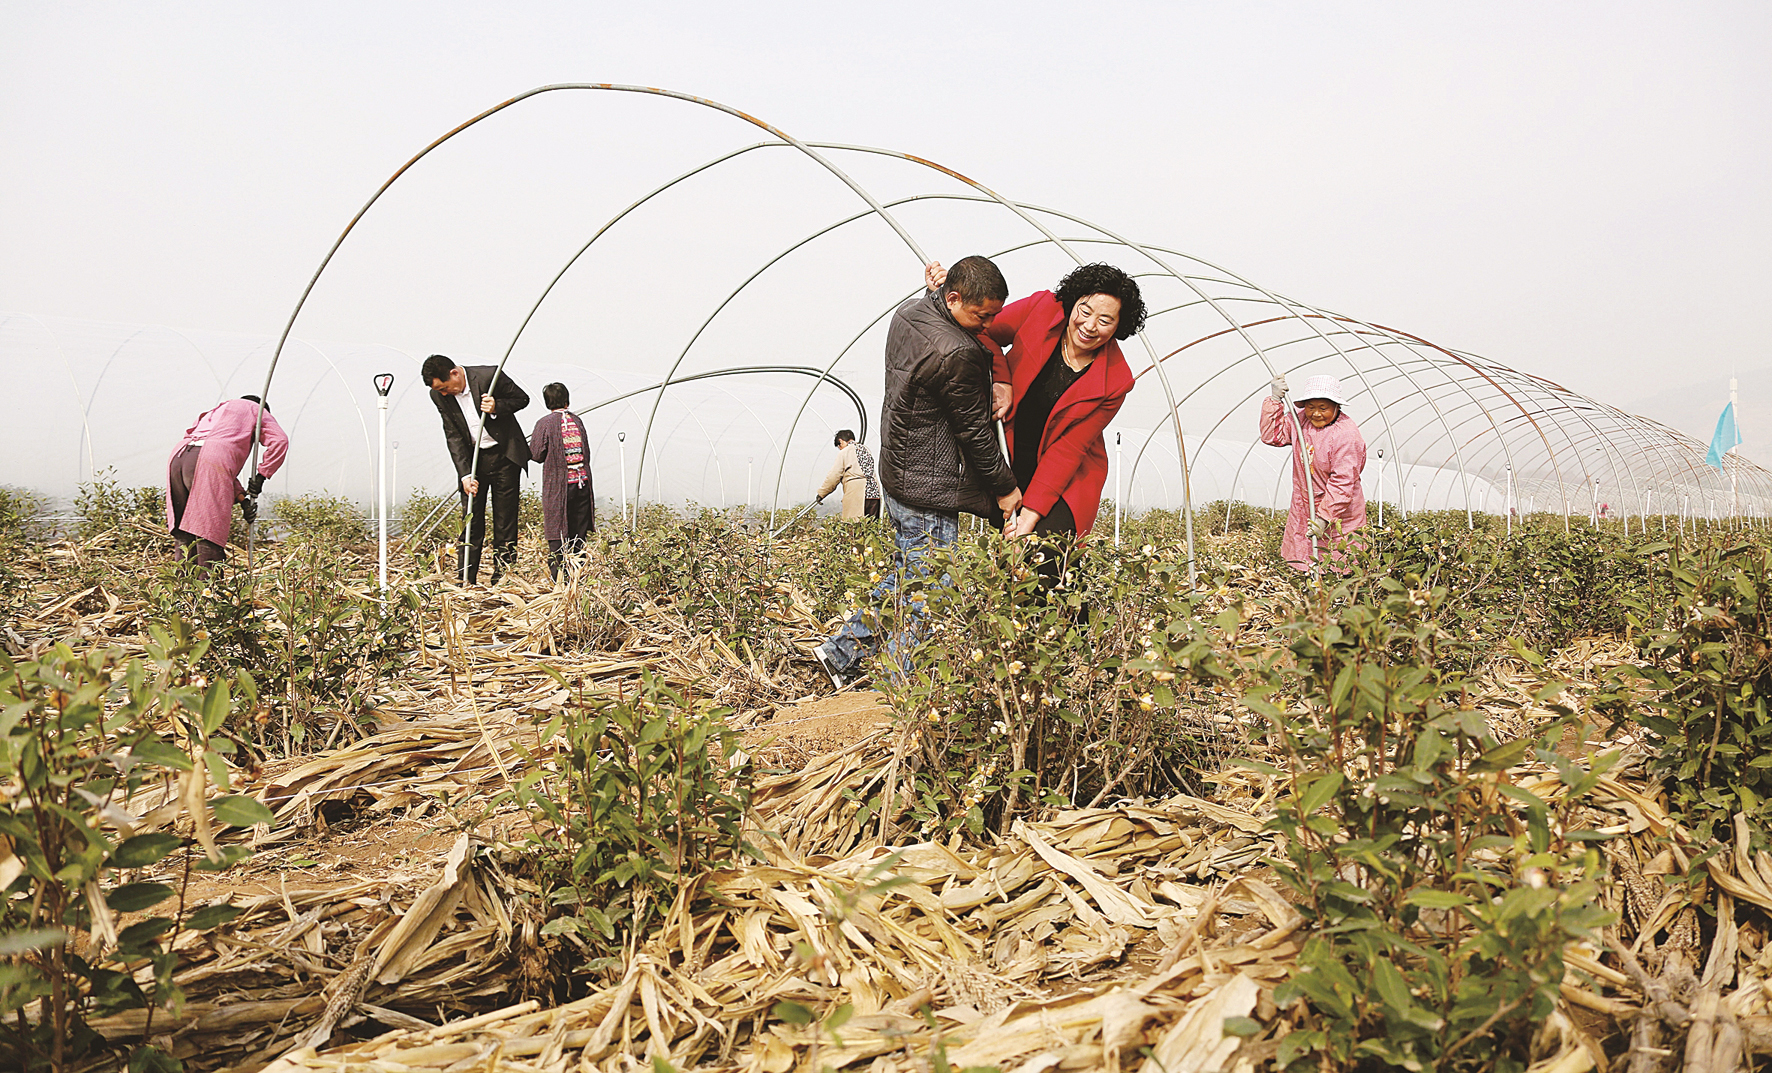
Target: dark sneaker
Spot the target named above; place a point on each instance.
(827, 661)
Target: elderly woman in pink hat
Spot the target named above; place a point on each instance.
(1336, 453)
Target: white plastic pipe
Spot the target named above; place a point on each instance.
(621, 443)
(1509, 506)
(381, 493)
(1117, 472)
(1381, 488)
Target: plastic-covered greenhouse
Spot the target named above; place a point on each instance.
(736, 421)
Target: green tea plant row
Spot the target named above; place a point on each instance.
(82, 736)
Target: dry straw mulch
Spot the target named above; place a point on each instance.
(1082, 941)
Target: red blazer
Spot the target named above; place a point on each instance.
(1073, 451)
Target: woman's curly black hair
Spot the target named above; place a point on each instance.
(1085, 280)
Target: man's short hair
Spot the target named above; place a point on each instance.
(436, 367)
(555, 396)
(255, 398)
(844, 435)
(977, 280)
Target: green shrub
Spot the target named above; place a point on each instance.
(1708, 669)
(714, 576)
(428, 523)
(104, 506)
(23, 515)
(78, 738)
(646, 792)
(322, 648)
(1438, 894)
(1540, 584)
(1021, 697)
(321, 519)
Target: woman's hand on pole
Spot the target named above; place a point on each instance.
(1319, 527)
(1279, 387)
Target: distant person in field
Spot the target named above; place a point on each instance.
(854, 470)
(203, 477)
(568, 506)
(870, 503)
(938, 450)
(1336, 454)
(466, 407)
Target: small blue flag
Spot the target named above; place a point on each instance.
(1726, 438)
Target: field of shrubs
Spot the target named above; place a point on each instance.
(1485, 801)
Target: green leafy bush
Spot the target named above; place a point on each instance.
(80, 735)
(323, 648)
(104, 506)
(1539, 584)
(320, 519)
(647, 790)
(1708, 669)
(1022, 696)
(22, 515)
(717, 577)
(1438, 894)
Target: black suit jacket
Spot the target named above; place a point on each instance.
(501, 424)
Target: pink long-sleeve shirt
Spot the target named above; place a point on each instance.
(1337, 455)
(226, 433)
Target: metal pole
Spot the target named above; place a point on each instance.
(1117, 464)
(1735, 409)
(394, 473)
(1510, 498)
(621, 441)
(384, 382)
(1381, 488)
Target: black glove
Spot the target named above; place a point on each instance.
(249, 509)
(255, 485)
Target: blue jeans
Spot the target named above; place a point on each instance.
(916, 532)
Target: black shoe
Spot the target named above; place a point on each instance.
(826, 657)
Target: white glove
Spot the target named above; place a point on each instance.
(1279, 389)
(1319, 528)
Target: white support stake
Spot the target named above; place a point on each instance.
(384, 382)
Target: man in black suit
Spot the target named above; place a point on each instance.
(504, 451)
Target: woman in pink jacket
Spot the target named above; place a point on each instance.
(1336, 453)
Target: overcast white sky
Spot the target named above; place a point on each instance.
(1576, 189)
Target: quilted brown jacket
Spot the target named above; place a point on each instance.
(938, 449)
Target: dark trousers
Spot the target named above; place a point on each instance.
(498, 477)
(580, 511)
(870, 508)
(1057, 533)
(180, 475)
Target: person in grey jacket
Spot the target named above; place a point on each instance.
(938, 450)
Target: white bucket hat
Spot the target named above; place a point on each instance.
(1321, 387)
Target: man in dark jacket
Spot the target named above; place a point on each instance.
(938, 450)
(504, 452)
